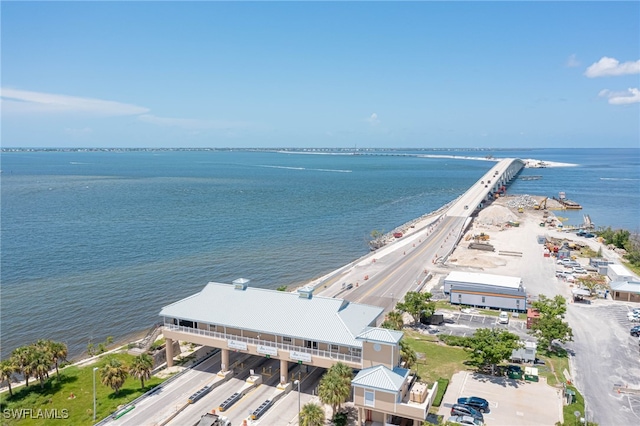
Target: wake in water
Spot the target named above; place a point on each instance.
(304, 168)
(603, 178)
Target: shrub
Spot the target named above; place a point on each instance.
(340, 419)
(455, 340)
(442, 388)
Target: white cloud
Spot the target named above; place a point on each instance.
(23, 101)
(631, 96)
(190, 123)
(610, 66)
(572, 61)
(373, 119)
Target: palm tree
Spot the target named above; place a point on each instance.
(311, 415)
(141, 368)
(21, 359)
(59, 352)
(393, 321)
(345, 372)
(408, 354)
(44, 355)
(7, 368)
(333, 390)
(113, 374)
(40, 365)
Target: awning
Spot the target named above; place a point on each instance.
(581, 292)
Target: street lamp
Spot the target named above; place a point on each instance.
(297, 382)
(94, 393)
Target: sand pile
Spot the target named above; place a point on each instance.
(496, 215)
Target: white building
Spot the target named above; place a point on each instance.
(486, 291)
(617, 272)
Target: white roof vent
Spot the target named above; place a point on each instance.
(305, 292)
(241, 284)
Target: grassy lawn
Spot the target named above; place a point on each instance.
(436, 360)
(555, 365)
(73, 393)
(568, 416)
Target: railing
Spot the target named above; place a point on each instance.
(355, 358)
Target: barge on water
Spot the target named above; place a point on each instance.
(567, 204)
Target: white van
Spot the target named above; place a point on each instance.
(503, 318)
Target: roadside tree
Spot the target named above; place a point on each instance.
(312, 415)
(550, 326)
(417, 304)
(141, 368)
(113, 374)
(489, 347)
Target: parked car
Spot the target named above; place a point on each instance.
(539, 361)
(579, 270)
(635, 332)
(465, 410)
(569, 278)
(478, 403)
(465, 420)
(503, 318)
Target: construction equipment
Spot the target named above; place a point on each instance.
(481, 237)
(520, 209)
(543, 203)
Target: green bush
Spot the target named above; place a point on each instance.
(455, 340)
(442, 388)
(340, 419)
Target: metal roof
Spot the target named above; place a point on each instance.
(620, 270)
(382, 335)
(628, 286)
(320, 319)
(382, 378)
(485, 279)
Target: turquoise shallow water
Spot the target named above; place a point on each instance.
(95, 243)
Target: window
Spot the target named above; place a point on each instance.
(369, 398)
(334, 348)
(310, 345)
(483, 301)
(286, 339)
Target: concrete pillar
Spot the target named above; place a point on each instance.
(284, 371)
(360, 422)
(224, 365)
(169, 350)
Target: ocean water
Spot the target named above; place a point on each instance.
(95, 243)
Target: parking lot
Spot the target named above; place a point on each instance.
(605, 361)
(465, 324)
(511, 402)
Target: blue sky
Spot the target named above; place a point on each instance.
(300, 74)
